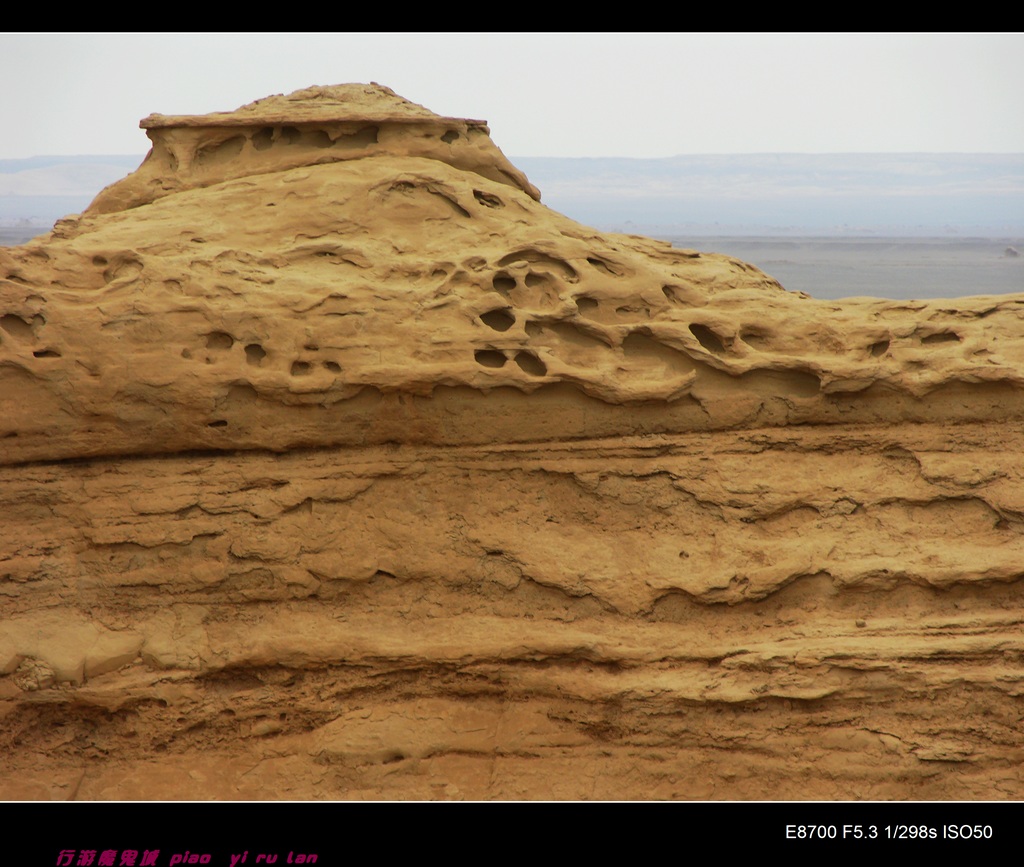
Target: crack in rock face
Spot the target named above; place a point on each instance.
(336, 465)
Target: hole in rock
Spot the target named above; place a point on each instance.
(571, 342)
(220, 153)
(333, 366)
(535, 280)
(531, 364)
(99, 261)
(290, 134)
(15, 326)
(312, 347)
(641, 347)
(357, 140)
(633, 310)
(756, 339)
(186, 353)
(879, 348)
(585, 305)
(499, 320)
(534, 290)
(317, 138)
(490, 357)
(46, 353)
(263, 139)
(254, 354)
(123, 268)
(242, 393)
(503, 283)
(678, 295)
(219, 340)
(219, 423)
(301, 368)
(941, 337)
(536, 257)
(450, 136)
(488, 200)
(604, 266)
(707, 338)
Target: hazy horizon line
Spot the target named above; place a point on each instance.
(619, 157)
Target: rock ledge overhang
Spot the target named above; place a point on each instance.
(313, 126)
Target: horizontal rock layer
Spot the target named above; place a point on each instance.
(828, 614)
(278, 314)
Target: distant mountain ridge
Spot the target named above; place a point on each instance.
(773, 194)
(789, 193)
(39, 190)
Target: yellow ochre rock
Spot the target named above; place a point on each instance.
(333, 464)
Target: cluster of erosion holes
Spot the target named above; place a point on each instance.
(220, 343)
(534, 280)
(24, 330)
(339, 136)
(761, 340)
(77, 270)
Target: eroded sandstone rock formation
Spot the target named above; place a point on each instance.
(335, 465)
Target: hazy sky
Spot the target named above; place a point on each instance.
(544, 94)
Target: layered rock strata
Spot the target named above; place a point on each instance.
(335, 465)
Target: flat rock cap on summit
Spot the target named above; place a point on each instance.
(318, 104)
(314, 126)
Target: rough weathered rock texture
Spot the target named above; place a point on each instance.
(334, 465)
